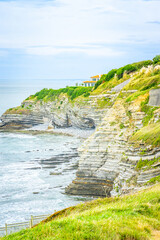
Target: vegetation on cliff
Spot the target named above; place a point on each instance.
(149, 134)
(18, 110)
(142, 81)
(127, 69)
(129, 217)
(50, 94)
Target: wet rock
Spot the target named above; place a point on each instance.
(55, 173)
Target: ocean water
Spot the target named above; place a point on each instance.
(34, 169)
(13, 92)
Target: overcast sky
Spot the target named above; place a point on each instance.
(75, 38)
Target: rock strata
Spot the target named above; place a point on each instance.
(61, 113)
(18, 121)
(108, 161)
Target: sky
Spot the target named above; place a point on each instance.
(68, 39)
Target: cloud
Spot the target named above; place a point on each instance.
(91, 51)
(69, 26)
(99, 9)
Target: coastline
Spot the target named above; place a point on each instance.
(71, 132)
(40, 164)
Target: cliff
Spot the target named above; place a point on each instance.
(118, 157)
(123, 154)
(84, 113)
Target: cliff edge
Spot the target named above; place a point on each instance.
(123, 154)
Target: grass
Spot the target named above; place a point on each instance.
(153, 180)
(132, 217)
(148, 110)
(18, 110)
(135, 95)
(104, 102)
(149, 135)
(147, 164)
(123, 71)
(121, 126)
(50, 94)
(143, 82)
(105, 86)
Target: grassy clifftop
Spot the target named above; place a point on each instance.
(140, 81)
(133, 217)
(149, 134)
(107, 81)
(50, 94)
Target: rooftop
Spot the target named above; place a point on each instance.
(89, 82)
(97, 76)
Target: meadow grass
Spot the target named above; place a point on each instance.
(143, 82)
(149, 135)
(131, 217)
(147, 164)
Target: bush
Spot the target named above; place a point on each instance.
(120, 71)
(141, 64)
(98, 83)
(72, 92)
(87, 94)
(106, 78)
(128, 69)
(110, 75)
(156, 59)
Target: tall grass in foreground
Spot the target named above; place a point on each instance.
(130, 217)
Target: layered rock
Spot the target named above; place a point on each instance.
(108, 161)
(101, 154)
(83, 113)
(18, 121)
(131, 177)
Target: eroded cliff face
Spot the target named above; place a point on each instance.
(84, 113)
(108, 159)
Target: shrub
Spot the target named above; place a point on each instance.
(110, 75)
(72, 92)
(143, 64)
(156, 59)
(98, 83)
(106, 78)
(121, 126)
(120, 71)
(87, 94)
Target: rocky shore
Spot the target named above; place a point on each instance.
(109, 162)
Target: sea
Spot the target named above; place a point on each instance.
(35, 168)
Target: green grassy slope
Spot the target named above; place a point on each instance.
(130, 217)
(149, 134)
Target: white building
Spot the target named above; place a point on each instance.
(93, 81)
